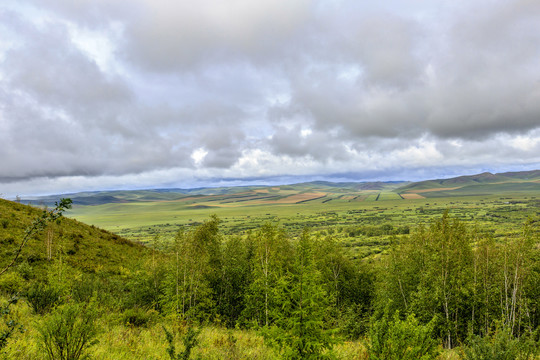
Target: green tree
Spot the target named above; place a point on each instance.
(431, 272)
(270, 256)
(446, 283)
(349, 285)
(299, 328)
(235, 279)
(196, 272)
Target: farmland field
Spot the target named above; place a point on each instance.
(363, 220)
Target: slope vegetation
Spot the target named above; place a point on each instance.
(480, 184)
(84, 247)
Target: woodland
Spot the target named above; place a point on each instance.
(445, 290)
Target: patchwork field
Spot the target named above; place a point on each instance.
(365, 220)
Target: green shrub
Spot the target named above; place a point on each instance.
(8, 324)
(42, 298)
(501, 345)
(190, 341)
(68, 332)
(25, 270)
(392, 338)
(137, 317)
(354, 321)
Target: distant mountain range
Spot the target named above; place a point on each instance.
(480, 184)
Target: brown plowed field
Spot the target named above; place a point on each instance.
(412, 196)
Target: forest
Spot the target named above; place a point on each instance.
(446, 290)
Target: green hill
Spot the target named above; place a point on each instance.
(488, 189)
(515, 181)
(85, 248)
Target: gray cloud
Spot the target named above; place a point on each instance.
(96, 89)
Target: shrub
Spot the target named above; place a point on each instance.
(42, 298)
(501, 345)
(8, 325)
(68, 332)
(190, 341)
(393, 338)
(25, 270)
(137, 317)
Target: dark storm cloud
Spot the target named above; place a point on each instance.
(150, 89)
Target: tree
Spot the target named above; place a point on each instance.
(271, 253)
(235, 279)
(197, 257)
(299, 327)
(431, 272)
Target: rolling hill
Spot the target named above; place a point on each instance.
(83, 247)
(134, 196)
(480, 184)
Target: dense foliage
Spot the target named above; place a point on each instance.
(445, 285)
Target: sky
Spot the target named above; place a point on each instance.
(118, 94)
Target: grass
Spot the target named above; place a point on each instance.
(123, 342)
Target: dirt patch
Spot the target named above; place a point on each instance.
(412, 196)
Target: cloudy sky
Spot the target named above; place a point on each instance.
(108, 94)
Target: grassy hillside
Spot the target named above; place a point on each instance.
(451, 184)
(85, 248)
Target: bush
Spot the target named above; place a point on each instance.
(354, 321)
(42, 298)
(499, 346)
(393, 338)
(25, 270)
(137, 317)
(190, 341)
(8, 324)
(68, 332)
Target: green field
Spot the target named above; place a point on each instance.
(364, 220)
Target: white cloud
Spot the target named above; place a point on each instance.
(109, 93)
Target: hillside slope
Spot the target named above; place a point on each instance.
(85, 248)
(484, 183)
